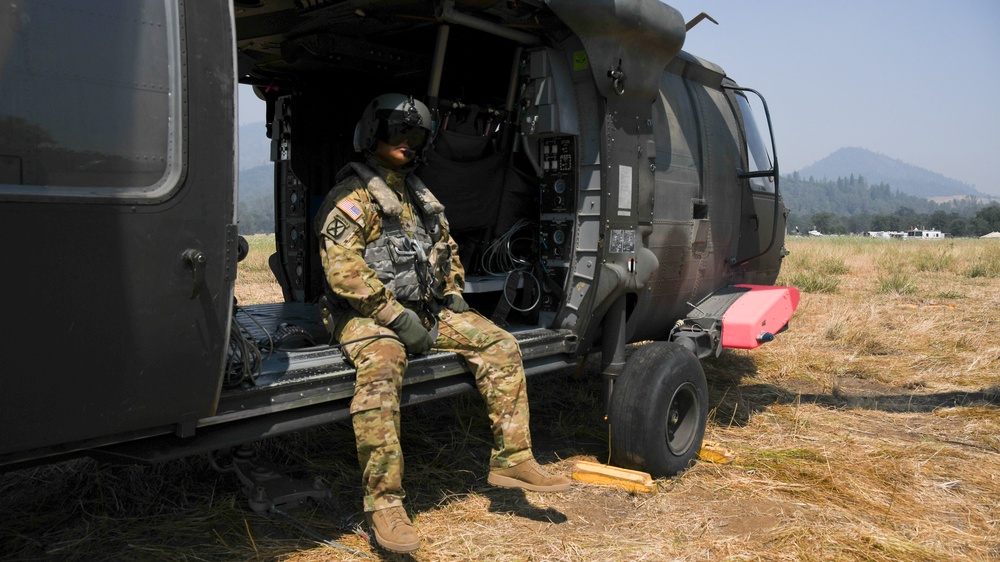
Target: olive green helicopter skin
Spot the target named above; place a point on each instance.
(603, 187)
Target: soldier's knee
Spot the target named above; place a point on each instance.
(378, 373)
(386, 354)
(506, 337)
(504, 343)
(494, 334)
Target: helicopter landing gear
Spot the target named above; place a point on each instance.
(658, 410)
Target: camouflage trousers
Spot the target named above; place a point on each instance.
(493, 357)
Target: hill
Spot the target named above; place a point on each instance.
(256, 182)
(256, 200)
(255, 147)
(855, 196)
(879, 168)
(852, 205)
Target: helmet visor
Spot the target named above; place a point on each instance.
(396, 133)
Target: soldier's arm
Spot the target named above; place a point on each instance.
(455, 283)
(343, 236)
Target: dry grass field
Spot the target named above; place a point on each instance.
(869, 431)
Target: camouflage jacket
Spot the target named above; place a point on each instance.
(367, 225)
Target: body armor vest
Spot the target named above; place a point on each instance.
(412, 268)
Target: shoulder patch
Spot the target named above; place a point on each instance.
(339, 228)
(350, 209)
(336, 228)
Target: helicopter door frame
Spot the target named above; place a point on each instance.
(750, 175)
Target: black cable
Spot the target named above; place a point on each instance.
(375, 337)
(244, 360)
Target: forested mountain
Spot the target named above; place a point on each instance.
(256, 204)
(255, 213)
(854, 195)
(851, 205)
(878, 169)
(255, 147)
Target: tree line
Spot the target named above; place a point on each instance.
(984, 221)
(850, 205)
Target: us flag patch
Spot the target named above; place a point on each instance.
(349, 208)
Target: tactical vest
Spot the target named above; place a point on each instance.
(413, 268)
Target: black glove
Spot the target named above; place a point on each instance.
(415, 337)
(456, 303)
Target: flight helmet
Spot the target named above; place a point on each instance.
(392, 118)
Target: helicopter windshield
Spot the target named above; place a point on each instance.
(758, 157)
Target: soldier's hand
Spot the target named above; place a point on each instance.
(456, 303)
(414, 336)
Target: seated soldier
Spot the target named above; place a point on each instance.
(395, 285)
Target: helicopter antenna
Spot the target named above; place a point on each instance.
(697, 19)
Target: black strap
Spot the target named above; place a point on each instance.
(500, 313)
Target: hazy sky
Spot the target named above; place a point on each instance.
(915, 80)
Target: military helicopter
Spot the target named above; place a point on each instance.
(605, 187)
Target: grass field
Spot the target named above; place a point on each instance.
(868, 431)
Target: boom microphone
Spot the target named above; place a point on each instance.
(414, 156)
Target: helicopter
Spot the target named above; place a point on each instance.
(605, 187)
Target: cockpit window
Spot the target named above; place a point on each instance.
(758, 155)
(89, 98)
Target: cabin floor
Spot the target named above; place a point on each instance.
(304, 381)
(303, 368)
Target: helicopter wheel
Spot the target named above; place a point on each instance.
(658, 410)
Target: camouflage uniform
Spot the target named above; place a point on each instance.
(360, 307)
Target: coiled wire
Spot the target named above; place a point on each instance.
(500, 259)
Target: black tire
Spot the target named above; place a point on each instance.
(659, 408)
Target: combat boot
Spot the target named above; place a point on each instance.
(529, 476)
(393, 529)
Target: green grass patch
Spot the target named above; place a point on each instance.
(949, 295)
(985, 264)
(896, 283)
(812, 273)
(940, 260)
(261, 248)
(812, 282)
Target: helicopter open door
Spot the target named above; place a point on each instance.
(117, 212)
